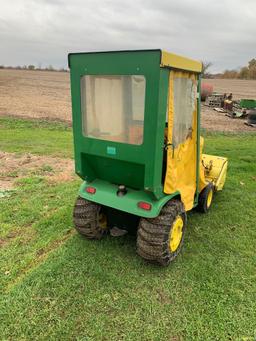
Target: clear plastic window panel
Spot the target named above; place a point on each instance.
(185, 91)
(113, 107)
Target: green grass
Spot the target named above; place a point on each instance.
(58, 286)
(35, 137)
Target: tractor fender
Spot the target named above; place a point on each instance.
(106, 194)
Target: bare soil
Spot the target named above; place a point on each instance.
(240, 88)
(37, 94)
(213, 120)
(46, 94)
(218, 121)
(14, 166)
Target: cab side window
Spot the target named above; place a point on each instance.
(184, 95)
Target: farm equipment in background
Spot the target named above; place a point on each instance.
(233, 108)
(206, 90)
(241, 109)
(223, 101)
(215, 100)
(251, 118)
(250, 106)
(136, 124)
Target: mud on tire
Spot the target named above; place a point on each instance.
(86, 219)
(153, 236)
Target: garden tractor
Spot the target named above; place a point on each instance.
(136, 124)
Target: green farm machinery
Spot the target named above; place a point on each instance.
(136, 123)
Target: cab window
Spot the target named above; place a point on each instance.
(113, 107)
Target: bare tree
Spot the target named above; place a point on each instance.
(205, 66)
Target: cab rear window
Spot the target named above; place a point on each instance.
(113, 107)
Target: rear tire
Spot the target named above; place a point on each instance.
(87, 219)
(160, 239)
(205, 198)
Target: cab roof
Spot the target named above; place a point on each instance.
(167, 59)
(178, 62)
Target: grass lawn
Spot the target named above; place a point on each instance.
(56, 285)
(35, 137)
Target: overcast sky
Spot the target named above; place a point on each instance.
(42, 32)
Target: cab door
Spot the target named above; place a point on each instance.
(182, 137)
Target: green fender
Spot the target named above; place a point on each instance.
(106, 194)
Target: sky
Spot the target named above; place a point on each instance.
(43, 32)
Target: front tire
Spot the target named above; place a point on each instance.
(88, 219)
(205, 198)
(160, 239)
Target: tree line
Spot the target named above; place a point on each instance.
(246, 72)
(33, 67)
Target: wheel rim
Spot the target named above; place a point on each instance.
(176, 234)
(209, 198)
(103, 221)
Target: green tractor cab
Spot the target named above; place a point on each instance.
(136, 122)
